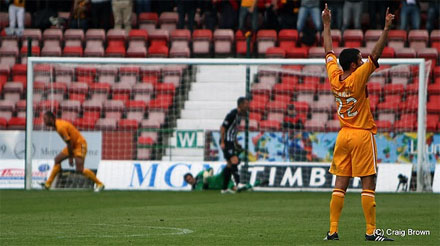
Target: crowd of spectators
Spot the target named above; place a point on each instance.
(302, 15)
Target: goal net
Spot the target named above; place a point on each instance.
(172, 110)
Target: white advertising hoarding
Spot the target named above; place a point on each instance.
(150, 175)
(46, 145)
(12, 173)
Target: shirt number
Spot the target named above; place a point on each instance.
(350, 100)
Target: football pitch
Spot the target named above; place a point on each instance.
(206, 218)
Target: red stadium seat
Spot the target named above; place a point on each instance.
(429, 54)
(53, 34)
(17, 123)
(161, 103)
(390, 89)
(73, 37)
(269, 125)
(138, 34)
(240, 45)
(158, 51)
(302, 107)
(315, 125)
(128, 124)
(265, 40)
(371, 37)
(434, 88)
(180, 38)
(275, 52)
(433, 106)
(116, 34)
(384, 125)
(391, 103)
(301, 52)
(388, 52)
(159, 37)
(316, 52)
(432, 121)
(3, 123)
(223, 39)
(405, 53)
(276, 106)
(115, 51)
(353, 38)
(139, 52)
(148, 21)
(410, 104)
(418, 39)
(397, 38)
(374, 88)
(73, 51)
(387, 116)
(202, 42)
(165, 89)
(85, 123)
(95, 34)
(168, 20)
(34, 34)
(108, 124)
(287, 38)
(283, 89)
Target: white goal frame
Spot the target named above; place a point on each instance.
(422, 93)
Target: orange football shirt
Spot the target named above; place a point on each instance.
(68, 132)
(351, 94)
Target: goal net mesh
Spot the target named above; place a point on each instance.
(174, 112)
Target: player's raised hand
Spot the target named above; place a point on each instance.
(326, 15)
(388, 19)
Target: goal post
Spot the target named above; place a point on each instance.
(422, 168)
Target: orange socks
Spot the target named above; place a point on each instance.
(336, 205)
(55, 170)
(89, 174)
(369, 207)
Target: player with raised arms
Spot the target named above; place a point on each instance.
(355, 149)
(76, 149)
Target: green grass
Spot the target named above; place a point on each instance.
(204, 218)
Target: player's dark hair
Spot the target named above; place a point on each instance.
(186, 175)
(241, 100)
(50, 114)
(348, 56)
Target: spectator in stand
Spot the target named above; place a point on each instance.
(248, 7)
(101, 13)
(228, 12)
(292, 121)
(352, 12)
(122, 10)
(375, 9)
(79, 15)
(186, 8)
(16, 17)
(209, 9)
(143, 6)
(288, 13)
(410, 10)
(433, 15)
(269, 8)
(309, 8)
(336, 7)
